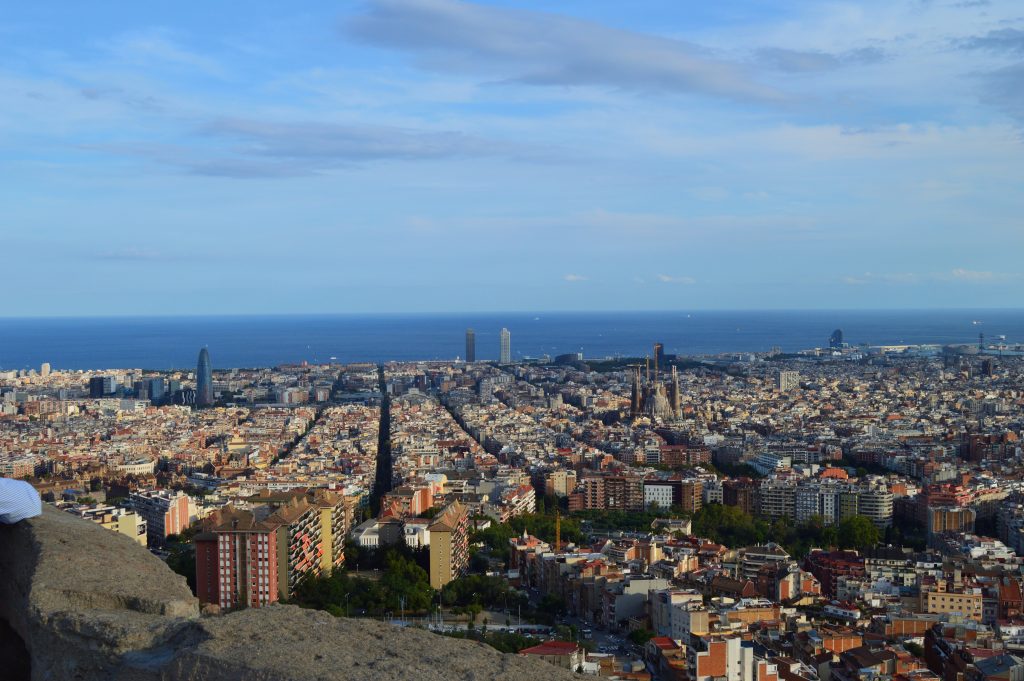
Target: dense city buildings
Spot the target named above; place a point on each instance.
(830, 507)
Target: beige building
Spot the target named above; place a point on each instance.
(120, 520)
(966, 602)
(449, 545)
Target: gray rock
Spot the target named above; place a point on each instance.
(92, 605)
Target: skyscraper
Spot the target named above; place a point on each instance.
(470, 345)
(100, 386)
(835, 341)
(204, 380)
(506, 347)
(156, 390)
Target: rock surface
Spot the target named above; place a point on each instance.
(90, 604)
(287, 642)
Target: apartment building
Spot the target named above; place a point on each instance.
(952, 599)
(165, 512)
(449, 545)
(119, 520)
(237, 560)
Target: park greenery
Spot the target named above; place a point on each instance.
(497, 536)
(626, 521)
(402, 586)
(730, 526)
(482, 590)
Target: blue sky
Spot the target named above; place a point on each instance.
(438, 155)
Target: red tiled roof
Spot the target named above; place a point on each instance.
(663, 642)
(551, 648)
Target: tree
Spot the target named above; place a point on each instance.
(551, 605)
(403, 584)
(641, 636)
(857, 532)
(182, 560)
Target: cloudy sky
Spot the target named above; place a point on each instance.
(440, 155)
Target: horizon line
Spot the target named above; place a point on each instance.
(438, 313)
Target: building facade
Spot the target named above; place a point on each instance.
(449, 545)
(165, 512)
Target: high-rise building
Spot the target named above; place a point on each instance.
(876, 502)
(141, 389)
(102, 385)
(299, 544)
(835, 341)
(506, 347)
(787, 380)
(319, 519)
(156, 389)
(449, 545)
(470, 345)
(204, 380)
(237, 562)
(44, 370)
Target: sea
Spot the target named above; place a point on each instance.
(256, 341)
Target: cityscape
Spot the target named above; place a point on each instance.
(848, 508)
(506, 340)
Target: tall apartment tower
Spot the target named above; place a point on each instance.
(506, 347)
(787, 380)
(237, 560)
(470, 345)
(449, 545)
(204, 380)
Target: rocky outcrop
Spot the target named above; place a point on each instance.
(90, 604)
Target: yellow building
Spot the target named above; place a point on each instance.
(128, 523)
(336, 514)
(967, 602)
(449, 545)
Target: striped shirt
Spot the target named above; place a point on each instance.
(18, 500)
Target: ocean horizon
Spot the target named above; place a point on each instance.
(167, 342)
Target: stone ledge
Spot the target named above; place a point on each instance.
(92, 605)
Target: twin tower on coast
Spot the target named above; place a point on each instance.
(504, 352)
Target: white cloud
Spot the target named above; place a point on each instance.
(958, 274)
(972, 275)
(540, 48)
(982, 276)
(883, 278)
(669, 279)
(574, 277)
(155, 46)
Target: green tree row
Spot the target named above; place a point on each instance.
(402, 584)
(730, 526)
